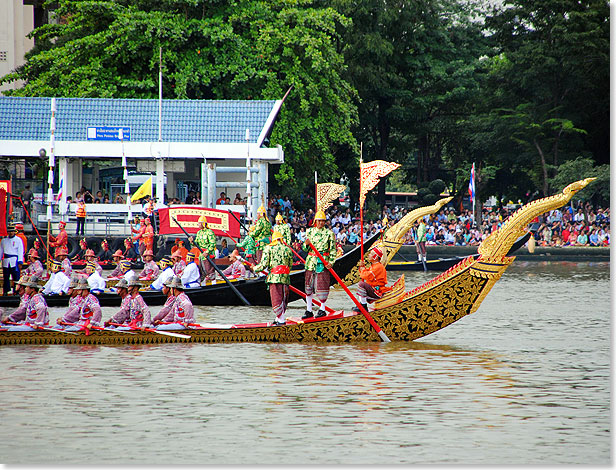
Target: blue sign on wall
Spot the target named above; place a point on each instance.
(107, 132)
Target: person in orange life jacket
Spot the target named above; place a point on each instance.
(62, 239)
(145, 236)
(80, 213)
(179, 246)
(373, 280)
(20, 234)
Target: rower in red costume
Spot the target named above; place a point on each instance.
(62, 239)
(373, 279)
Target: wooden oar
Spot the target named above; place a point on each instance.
(153, 330)
(295, 289)
(39, 327)
(237, 292)
(374, 325)
(303, 294)
(235, 217)
(99, 328)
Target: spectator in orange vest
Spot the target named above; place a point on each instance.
(179, 245)
(80, 213)
(20, 234)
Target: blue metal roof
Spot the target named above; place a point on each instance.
(23, 118)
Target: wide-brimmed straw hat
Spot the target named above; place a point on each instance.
(82, 284)
(134, 282)
(33, 282)
(122, 284)
(176, 283)
(74, 282)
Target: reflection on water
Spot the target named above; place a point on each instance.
(525, 380)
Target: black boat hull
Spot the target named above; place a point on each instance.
(254, 290)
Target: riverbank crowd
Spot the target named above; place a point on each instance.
(572, 225)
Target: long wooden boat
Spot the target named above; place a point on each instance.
(428, 308)
(219, 293)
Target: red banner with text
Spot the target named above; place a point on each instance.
(220, 221)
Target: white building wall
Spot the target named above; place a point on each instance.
(16, 22)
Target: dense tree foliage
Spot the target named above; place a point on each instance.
(521, 89)
(210, 50)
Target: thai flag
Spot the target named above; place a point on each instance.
(471, 185)
(60, 190)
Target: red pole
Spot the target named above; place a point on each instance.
(295, 289)
(34, 226)
(361, 204)
(381, 333)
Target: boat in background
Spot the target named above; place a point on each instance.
(440, 264)
(218, 292)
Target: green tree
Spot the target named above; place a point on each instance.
(547, 50)
(210, 50)
(573, 170)
(413, 64)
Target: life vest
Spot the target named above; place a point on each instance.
(81, 210)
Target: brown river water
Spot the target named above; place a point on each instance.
(524, 380)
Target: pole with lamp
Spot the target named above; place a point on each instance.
(52, 164)
(126, 184)
(248, 178)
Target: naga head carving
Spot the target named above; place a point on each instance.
(498, 243)
(577, 186)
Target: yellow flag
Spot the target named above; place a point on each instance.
(144, 190)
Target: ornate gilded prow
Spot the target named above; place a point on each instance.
(498, 243)
(394, 236)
